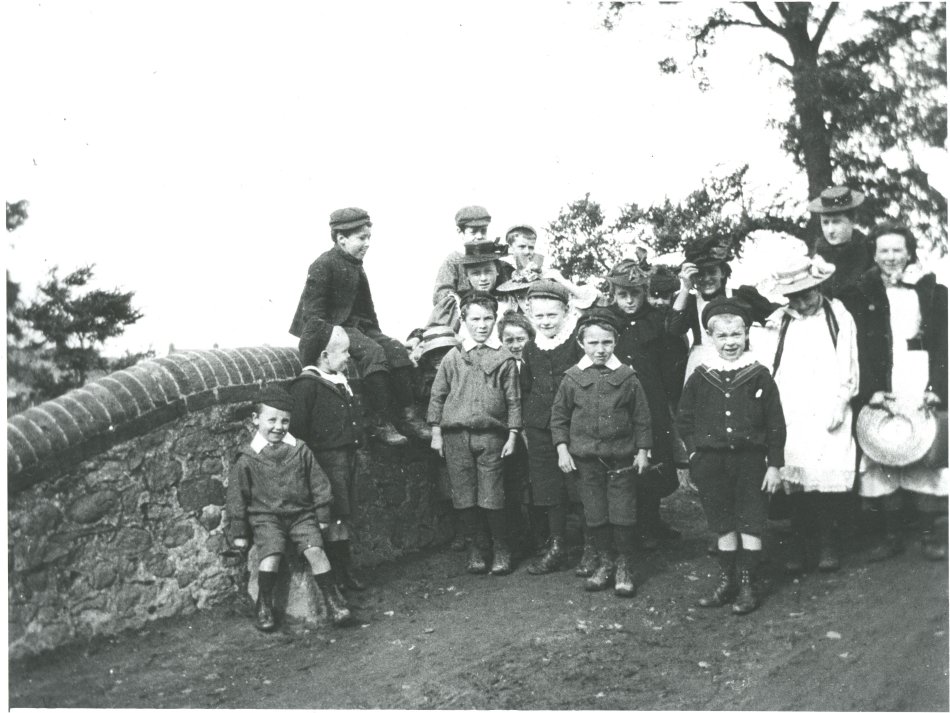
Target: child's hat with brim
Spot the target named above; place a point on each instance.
(436, 337)
(836, 199)
(799, 274)
(527, 272)
(895, 439)
(477, 253)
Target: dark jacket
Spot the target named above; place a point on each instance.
(682, 321)
(733, 410)
(546, 368)
(289, 485)
(600, 414)
(323, 416)
(851, 260)
(330, 293)
(867, 302)
(478, 389)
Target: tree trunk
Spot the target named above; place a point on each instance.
(815, 139)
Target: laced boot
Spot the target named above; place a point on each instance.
(552, 559)
(476, 558)
(602, 576)
(588, 564)
(623, 579)
(386, 433)
(746, 600)
(338, 614)
(501, 559)
(413, 422)
(265, 614)
(726, 590)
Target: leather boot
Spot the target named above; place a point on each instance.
(623, 579)
(588, 564)
(602, 576)
(726, 590)
(265, 614)
(476, 558)
(553, 558)
(337, 612)
(501, 559)
(746, 600)
(415, 424)
(386, 433)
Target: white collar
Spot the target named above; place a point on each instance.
(613, 363)
(258, 442)
(337, 378)
(717, 363)
(493, 342)
(545, 343)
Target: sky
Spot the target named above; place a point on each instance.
(194, 151)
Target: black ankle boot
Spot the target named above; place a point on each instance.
(624, 585)
(337, 612)
(476, 558)
(588, 564)
(727, 588)
(265, 620)
(746, 600)
(501, 559)
(553, 558)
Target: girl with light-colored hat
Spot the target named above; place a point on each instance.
(816, 369)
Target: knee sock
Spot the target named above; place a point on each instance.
(325, 582)
(266, 581)
(557, 520)
(600, 537)
(378, 394)
(400, 381)
(623, 539)
(497, 525)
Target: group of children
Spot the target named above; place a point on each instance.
(535, 397)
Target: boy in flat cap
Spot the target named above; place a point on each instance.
(471, 223)
(277, 490)
(731, 419)
(337, 292)
(642, 346)
(841, 243)
(326, 416)
(600, 425)
(475, 413)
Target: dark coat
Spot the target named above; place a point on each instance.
(331, 290)
(322, 416)
(867, 302)
(680, 322)
(851, 260)
(546, 369)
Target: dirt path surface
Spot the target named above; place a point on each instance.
(870, 637)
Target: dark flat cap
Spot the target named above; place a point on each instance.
(522, 228)
(628, 274)
(599, 315)
(472, 216)
(727, 305)
(549, 289)
(316, 335)
(476, 253)
(348, 218)
(276, 397)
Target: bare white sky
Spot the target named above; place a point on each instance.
(193, 151)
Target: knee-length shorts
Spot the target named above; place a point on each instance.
(730, 488)
(476, 471)
(272, 532)
(608, 497)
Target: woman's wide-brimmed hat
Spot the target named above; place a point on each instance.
(896, 439)
(707, 251)
(800, 273)
(476, 253)
(836, 199)
(437, 336)
(629, 275)
(527, 271)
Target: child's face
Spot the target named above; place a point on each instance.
(480, 323)
(710, 280)
(337, 352)
(475, 235)
(272, 423)
(598, 344)
(660, 300)
(728, 333)
(630, 299)
(548, 315)
(515, 338)
(522, 245)
(805, 302)
(837, 228)
(482, 276)
(356, 244)
(891, 253)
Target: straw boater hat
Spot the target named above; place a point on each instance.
(528, 271)
(801, 273)
(629, 275)
(476, 253)
(836, 199)
(437, 336)
(896, 439)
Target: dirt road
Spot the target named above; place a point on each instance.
(870, 637)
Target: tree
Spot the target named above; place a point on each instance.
(854, 102)
(76, 325)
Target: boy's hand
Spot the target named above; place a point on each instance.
(240, 543)
(642, 461)
(509, 447)
(436, 444)
(564, 460)
(772, 481)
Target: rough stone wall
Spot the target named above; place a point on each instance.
(134, 531)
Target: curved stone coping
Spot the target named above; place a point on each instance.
(45, 439)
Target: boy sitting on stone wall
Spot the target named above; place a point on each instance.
(277, 490)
